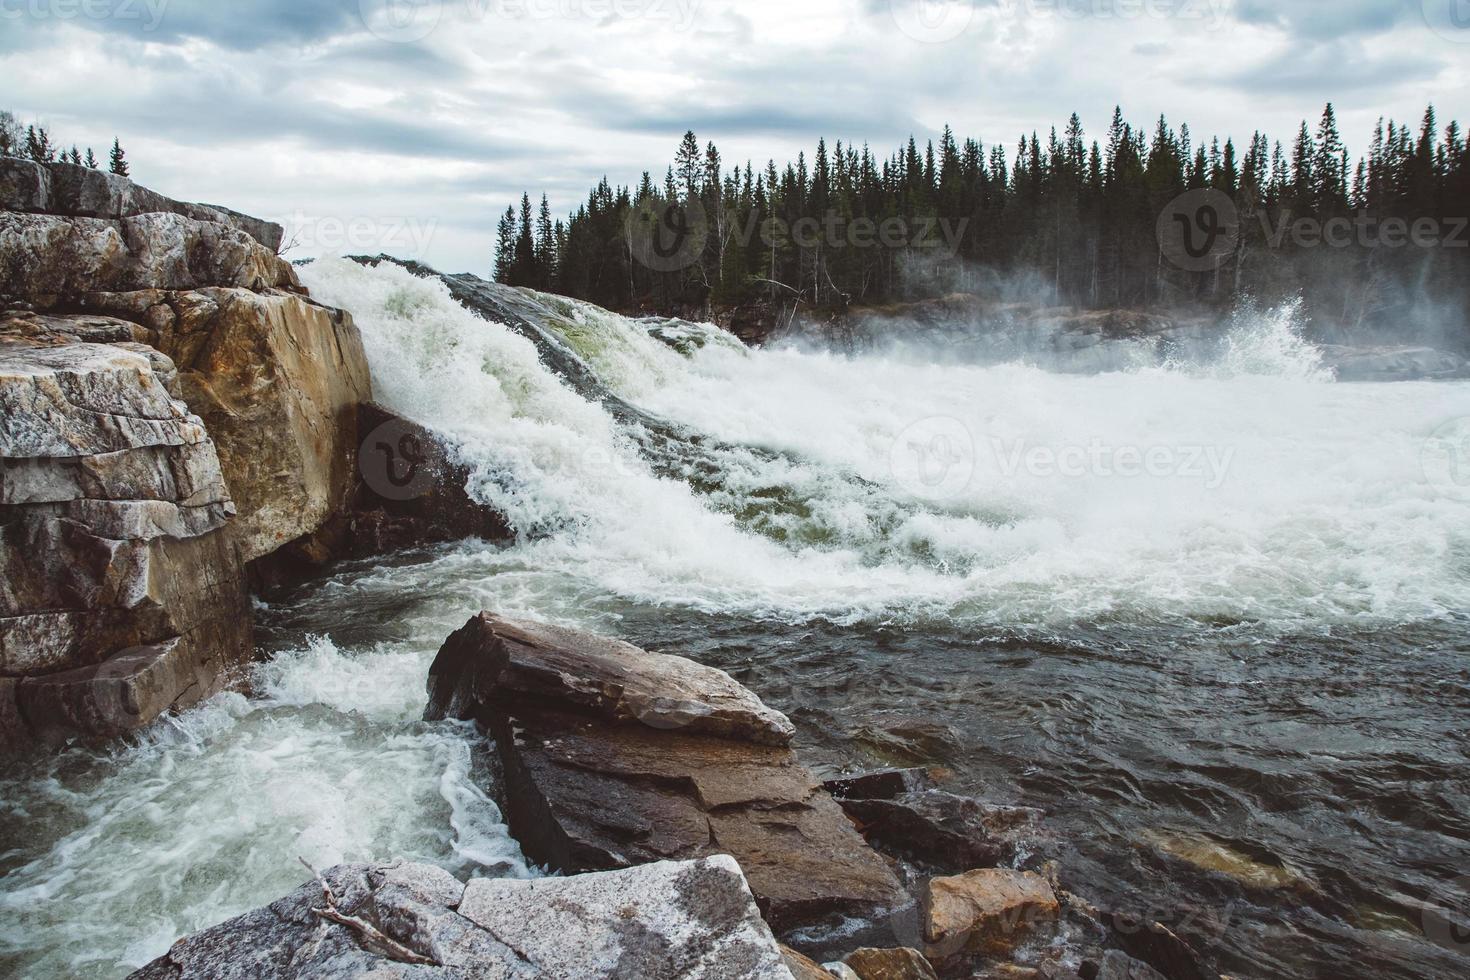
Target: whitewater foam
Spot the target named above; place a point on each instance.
(1316, 511)
(112, 855)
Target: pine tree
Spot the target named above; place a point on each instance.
(118, 161)
(38, 145)
(505, 246)
(688, 166)
(545, 247)
(91, 159)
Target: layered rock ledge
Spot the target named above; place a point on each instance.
(613, 757)
(175, 408)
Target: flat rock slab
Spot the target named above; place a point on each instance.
(613, 757)
(492, 657)
(666, 921)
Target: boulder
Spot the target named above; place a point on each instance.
(890, 964)
(1159, 947)
(666, 921)
(172, 408)
(50, 259)
(123, 593)
(1393, 363)
(900, 812)
(614, 757)
(410, 491)
(881, 784)
(803, 967)
(81, 192)
(493, 658)
(277, 380)
(943, 831)
(985, 911)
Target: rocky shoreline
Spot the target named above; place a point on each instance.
(688, 841)
(183, 425)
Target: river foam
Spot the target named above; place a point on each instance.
(1247, 488)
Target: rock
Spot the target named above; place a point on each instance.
(890, 964)
(985, 911)
(613, 757)
(171, 409)
(803, 967)
(1118, 966)
(942, 830)
(51, 259)
(1383, 364)
(661, 922)
(122, 594)
(882, 784)
(611, 680)
(1159, 947)
(277, 380)
(841, 971)
(410, 491)
(81, 192)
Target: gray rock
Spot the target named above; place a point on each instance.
(667, 921)
(81, 192)
(49, 258)
(1393, 363)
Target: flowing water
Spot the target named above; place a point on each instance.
(1214, 617)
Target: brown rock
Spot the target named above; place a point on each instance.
(802, 967)
(613, 756)
(942, 830)
(615, 681)
(890, 964)
(988, 910)
(277, 380)
(1159, 947)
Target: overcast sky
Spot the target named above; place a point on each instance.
(407, 126)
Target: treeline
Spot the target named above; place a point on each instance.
(34, 142)
(1077, 221)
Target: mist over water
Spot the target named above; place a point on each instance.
(1070, 574)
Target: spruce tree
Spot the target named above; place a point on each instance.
(91, 159)
(118, 161)
(505, 246)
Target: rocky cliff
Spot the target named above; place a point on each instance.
(175, 407)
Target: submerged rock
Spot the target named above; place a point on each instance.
(665, 921)
(1393, 363)
(613, 757)
(985, 911)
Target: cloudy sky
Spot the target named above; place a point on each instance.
(407, 126)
